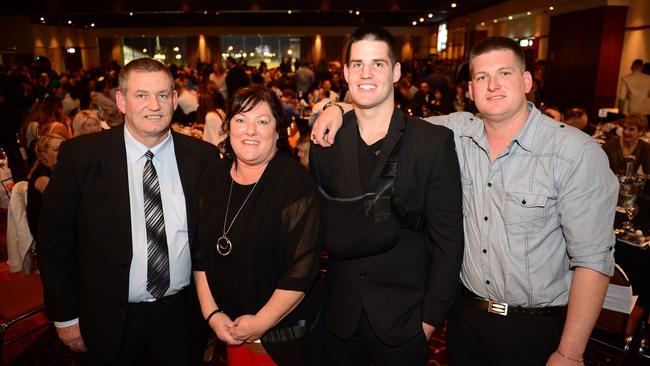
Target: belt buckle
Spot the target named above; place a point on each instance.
(496, 307)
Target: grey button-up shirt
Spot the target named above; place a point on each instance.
(544, 205)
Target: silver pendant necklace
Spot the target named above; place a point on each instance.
(224, 245)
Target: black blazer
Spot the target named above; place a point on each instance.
(85, 246)
(416, 280)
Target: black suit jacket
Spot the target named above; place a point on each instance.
(85, 246)
(416, 280)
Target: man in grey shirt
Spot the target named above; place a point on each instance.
(539, 203)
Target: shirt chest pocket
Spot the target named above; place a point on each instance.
(525, 212)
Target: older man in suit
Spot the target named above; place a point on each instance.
(115, 228)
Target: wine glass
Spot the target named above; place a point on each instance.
(631, 210)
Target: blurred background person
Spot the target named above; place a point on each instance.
(629, 146)
(86, 122)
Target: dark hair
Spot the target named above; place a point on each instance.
(144, 64)
(372, 33)
(637, 63)
(246, 99)
(497, 44)
(206, 105)
(574, 113)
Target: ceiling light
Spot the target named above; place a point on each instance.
(131, 14)
(430, 15)
(357, 12)
(510, 17)
(289, 52)
(453, 5)
(421, 20)
(176, 49)
(92, 25)
(551, 8)
(178, 57)
(71, 50)
(289, 12)
(42, 19)
(69, 21)
(482, 24)
(494, 21)
(414, 23)
(144, 50)
(251, 54)
(528, 13)
(350, 11)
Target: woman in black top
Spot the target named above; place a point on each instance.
(629, 146)
(257, 263)
(47, 149)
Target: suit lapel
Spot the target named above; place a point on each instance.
(349, 149)
(395, 131)
(189, 170)
(117, 180)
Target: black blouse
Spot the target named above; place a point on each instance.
(35, 198)
(617, 160)
(275, 242)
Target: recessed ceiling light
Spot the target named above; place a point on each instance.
(430, 15)
(494, 21)
(414, 23)
(289, 12)
(551, 8)
(453, 5)
(482, 24)
(357, 12)
(92, 24)
(131, 14)
(42, 19)
(510, 17)
(421, 20)
(144, 50)
(528, 13)
(69, 21)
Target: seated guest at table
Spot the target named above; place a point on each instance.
(258, 249)
(85, 122)
(629, 144)
(47, 150)
(578, 118)
(211, 116)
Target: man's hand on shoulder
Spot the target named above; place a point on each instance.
(71, 337)
(328, 123)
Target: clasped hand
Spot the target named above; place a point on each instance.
(246, 328)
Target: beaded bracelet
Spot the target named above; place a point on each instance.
(215, 311)
(569, 358)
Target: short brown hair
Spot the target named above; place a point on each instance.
(638, 120)
(372, 33)
(144, 64)
(497, 44)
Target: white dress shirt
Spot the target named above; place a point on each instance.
(174, 209)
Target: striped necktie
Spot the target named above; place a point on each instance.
(157, 253)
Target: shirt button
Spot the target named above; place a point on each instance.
(487, 282)
(484, 250)
(561, 126)
(523, 202)
(485, 218)
(489, 184)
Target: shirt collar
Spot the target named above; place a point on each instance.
(525, 138)
(135, 150)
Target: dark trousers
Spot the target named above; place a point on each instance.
(157, 333)
(476, 337)
(364, 348)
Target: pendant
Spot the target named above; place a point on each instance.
(224, 246)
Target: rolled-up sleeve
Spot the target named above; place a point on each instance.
(586, 206)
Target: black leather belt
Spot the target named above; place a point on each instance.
(503, 309)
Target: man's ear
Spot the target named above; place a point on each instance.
(120, 100)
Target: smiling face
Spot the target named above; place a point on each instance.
(631, 133)
(253, 135)
(499, 85)
(370, 74)
(148, 104)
